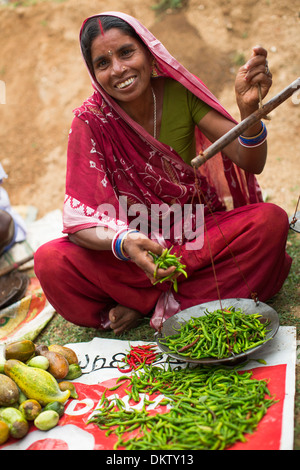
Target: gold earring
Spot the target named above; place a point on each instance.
(154, 72)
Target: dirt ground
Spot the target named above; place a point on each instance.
(45, 79)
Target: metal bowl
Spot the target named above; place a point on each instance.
(295, 222)
(248, 306)
(12, 288)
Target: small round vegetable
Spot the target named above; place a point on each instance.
(74, 372)
(46, 420)
(30, 409)
(65, 385)
(18, 425)
(55, 406)
(39, 361)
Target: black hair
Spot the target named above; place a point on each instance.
(91, 30)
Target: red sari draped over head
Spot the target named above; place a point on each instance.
(112, 158)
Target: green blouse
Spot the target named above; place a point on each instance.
(181, 112)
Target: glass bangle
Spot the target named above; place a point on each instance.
(117, 244)
(255, 140)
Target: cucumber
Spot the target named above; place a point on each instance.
(35, 383)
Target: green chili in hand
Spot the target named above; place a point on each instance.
(166, 260)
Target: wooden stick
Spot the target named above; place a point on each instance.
(260, 101)
(14, 266)
(236, 131)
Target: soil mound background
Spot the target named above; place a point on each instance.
(45, 79)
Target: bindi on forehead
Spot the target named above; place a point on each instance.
(114, 42)
(101, 53)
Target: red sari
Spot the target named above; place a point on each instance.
(111, 159)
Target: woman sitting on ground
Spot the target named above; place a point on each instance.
(129, 152)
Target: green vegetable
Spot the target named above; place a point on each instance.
(218, 334)
(4, 432)
(166, 260)
(55, 406)
(210, 408)
(74, 372)
(39, 361)
(18, 425)
(46, 420)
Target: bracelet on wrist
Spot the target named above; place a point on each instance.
(117, 243)
(255, 140)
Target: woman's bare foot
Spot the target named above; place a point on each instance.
(123, 318)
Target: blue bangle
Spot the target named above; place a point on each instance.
(118, 250)
(256, 140)
(117, 244)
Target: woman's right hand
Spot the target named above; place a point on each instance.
(137, 247)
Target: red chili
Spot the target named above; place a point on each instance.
(139, 355)
(124, 370)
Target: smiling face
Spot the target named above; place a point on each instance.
(121, 64)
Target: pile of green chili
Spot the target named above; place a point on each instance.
(210, 408)
(218, 334)
(164, 261)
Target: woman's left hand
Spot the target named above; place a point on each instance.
(252, 73)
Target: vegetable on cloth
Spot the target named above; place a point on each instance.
(209, 408)
(138, 356)
(30, 394)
